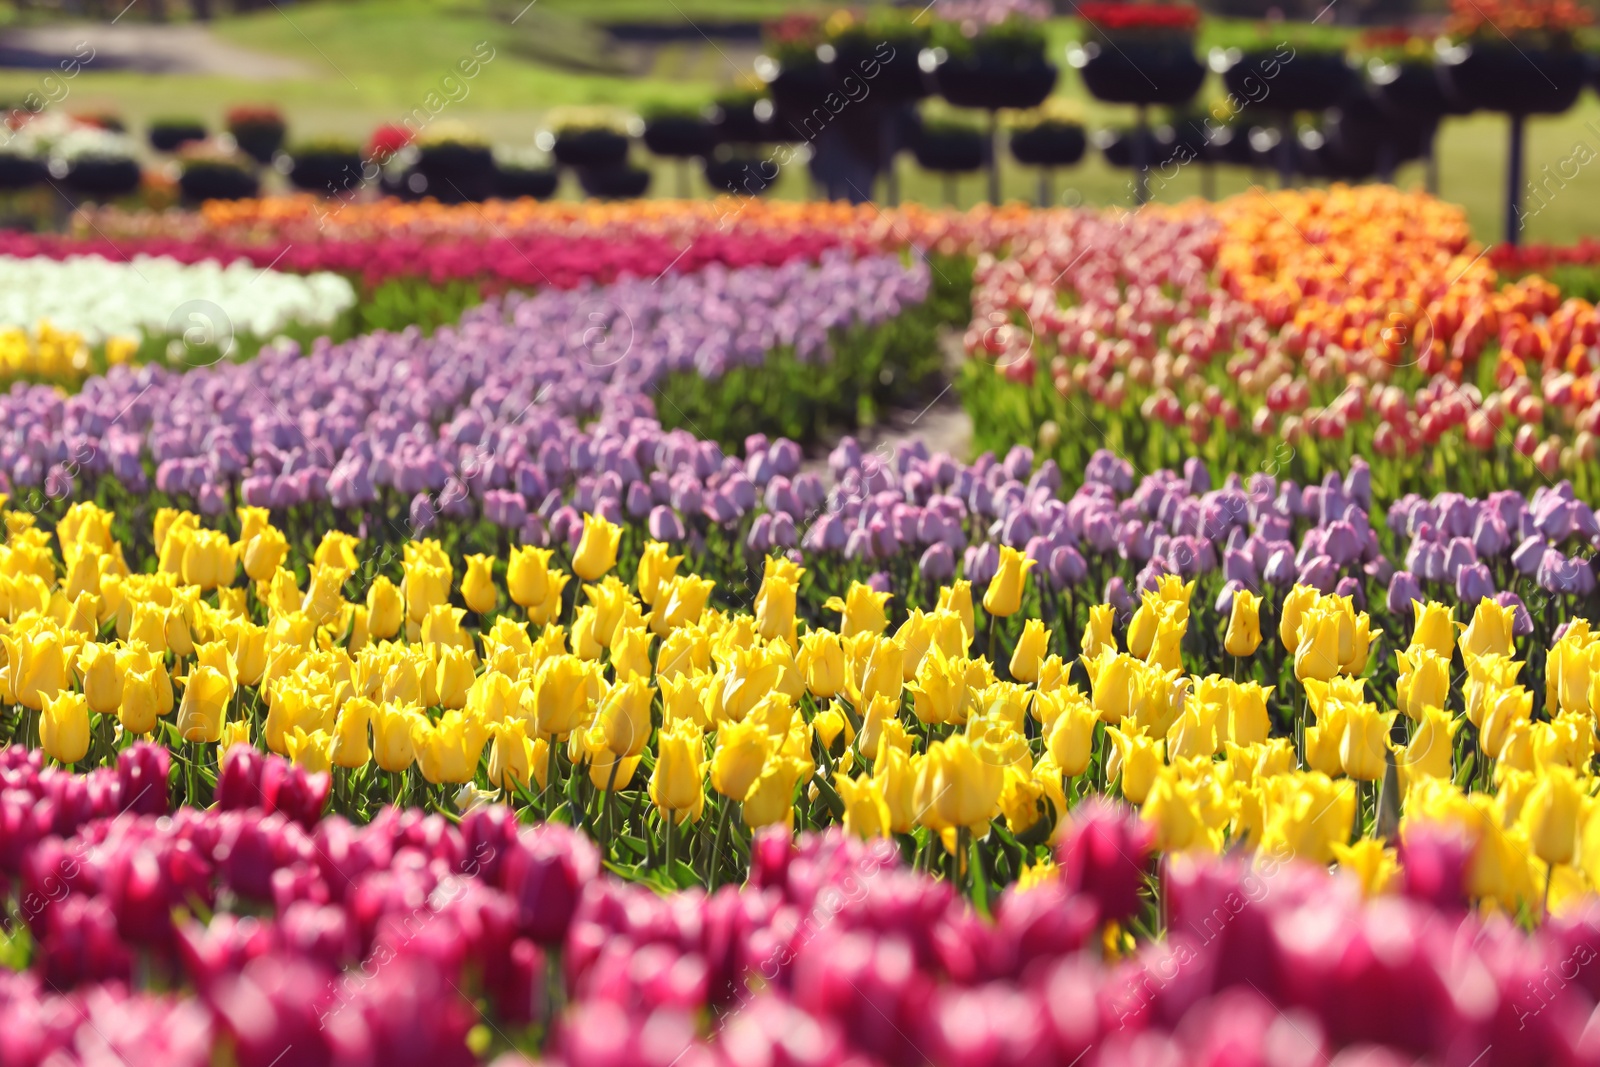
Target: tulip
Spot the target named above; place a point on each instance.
(35, 667)
(866, 812)
(1424, 681)
(350, 747)
(656, 568)
(1316, 654)
(528, 576)
(206, 694)
(821, 664)
(1071, 737)
(477, 586)
(622, 724)
(64, 727)
(1490, 632)
(1374, 867)
(392, 729)
(775, 607)
(562, 700)
(139, 707)
(1030, 651)
(1300, 599)
(770, 799)
(597, 549)
(1434, 629)
(1244, 625)
(1135, 760)
(962, 780)
(385, 609)
(1550, 815)
(1365, 741)
(1097, 635)
(863, 610)
(102, 682)
(1003, 598)
(742, 752)
(676, 786)
(1429, 753)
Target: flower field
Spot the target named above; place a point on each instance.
(556, 677)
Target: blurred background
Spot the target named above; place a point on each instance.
(952, 102)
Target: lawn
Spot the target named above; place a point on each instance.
(373, 61)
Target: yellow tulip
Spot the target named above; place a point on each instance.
(1375, 868)
(1030, 651)
(1004, 595)
(562, 698)
(1435, 629)
(1135, 759)
(477, 585)
(36, 667)
(1502, 707)
(426, 586)
(1173, 808)
(233, 733)
(957, 598)
(657, 566)
(881, 670)
(630, 654)
(528, 575)
(1097, 636)
(1365, 741)
(863, 610)
(682, 602)
(448, 750)
(1430, 751)
(775, 607)
(1307, 814)
(1316, 656)
(742, 752)
(771, 797)
(962, 783)
(205, 699)
(684, 651)
(1550, 815)
(1424, 681)
(394, 749)
(821, 664)
(1020, 798)
(1244, 625)
(1194, 733)
(350, 746)
(622, 724)
(1143, 626)
(309, 751)
(1116, 685)
(385, 609)
(684, 697)
(512, 759)
(64, 727)
(597, 548)
(677, 784)
(263, 553)
(102, 681)
(866, 813)
(1569, 671)
(1490, 632)
(138, 708)
(1071, 737)
(1295, 605)
(209, 560)
(453, 677)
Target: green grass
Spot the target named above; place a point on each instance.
(369, 62)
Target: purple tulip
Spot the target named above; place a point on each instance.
(1474, 583)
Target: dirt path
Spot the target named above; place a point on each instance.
(186, 49)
